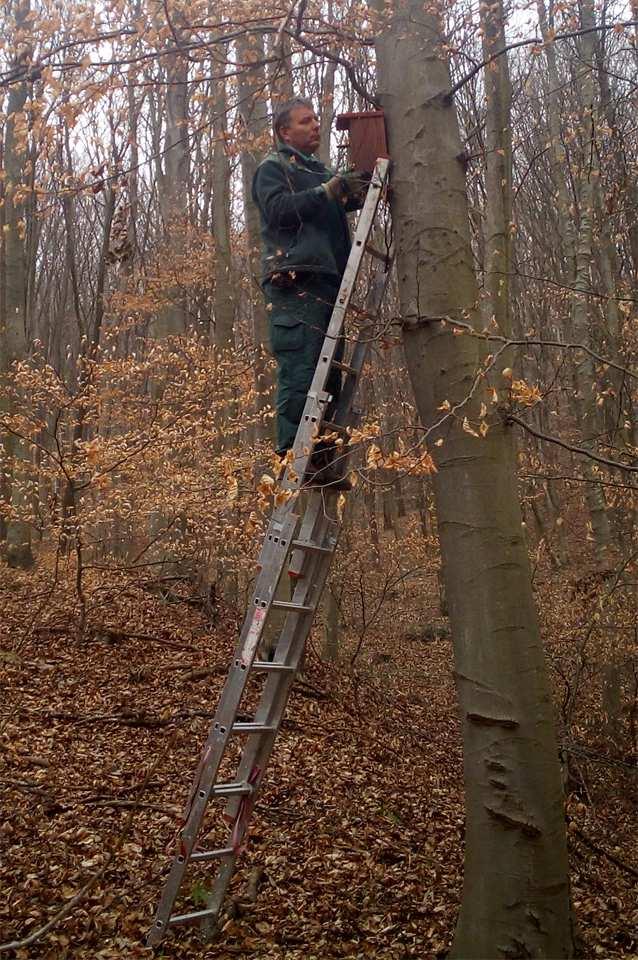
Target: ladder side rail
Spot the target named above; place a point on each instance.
(335, 326)
(376, 293)
(219, 735)
(275, 551)
(357, 252)
(272, 560)
(245, 651)
(315, 513)
(273, 705)
(343, 413)
(316, 526)
(256, 756)
(364, 228)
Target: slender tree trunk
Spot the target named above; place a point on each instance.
(5, 477)
(631, 187)
(577, 250)
(422, 508)
(516, 891)
(618, 407)
(327, 110)
(254, 115)
(370, 501)
(279, 70)
(13, 322)
(174, 185)
(558, 156)
(224, 296)
(498, 167)
(331, 627)
(584, 371)
(133, 178)
(224, 307)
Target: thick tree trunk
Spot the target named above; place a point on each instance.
(516, 891)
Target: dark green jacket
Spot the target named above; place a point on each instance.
(302, 229)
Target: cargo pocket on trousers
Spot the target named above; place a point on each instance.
(286, 334)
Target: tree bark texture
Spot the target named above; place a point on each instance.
(516, 892)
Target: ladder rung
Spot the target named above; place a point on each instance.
(187, 917)
(294, 607)
(376, 253)
(242, 727)
(232, 789)
(310, 546)
(212, 854)
(271, 666)
(345, 367)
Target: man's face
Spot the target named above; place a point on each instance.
(302, 130)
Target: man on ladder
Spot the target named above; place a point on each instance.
(301, 536)
(306, 244)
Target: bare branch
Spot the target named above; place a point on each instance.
(581, 451)
(533, 41)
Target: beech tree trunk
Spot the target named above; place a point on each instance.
(224, 297)
(584, 371)
(174, 185)
(13, 319)
(279, 69)
(516, 891)
(327, 107)
(498, 167)
(577, 251)
(331, 625)
(253, 110)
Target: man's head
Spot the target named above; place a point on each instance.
(297, 126)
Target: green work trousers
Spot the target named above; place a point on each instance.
(299, 315)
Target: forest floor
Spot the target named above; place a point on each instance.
(357, 838)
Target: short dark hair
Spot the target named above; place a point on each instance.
(281, 117)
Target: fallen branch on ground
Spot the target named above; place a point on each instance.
(625, 867)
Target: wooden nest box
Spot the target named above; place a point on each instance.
(366, 138)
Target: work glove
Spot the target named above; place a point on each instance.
(347, 185)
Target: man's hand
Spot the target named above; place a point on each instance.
(345, 186)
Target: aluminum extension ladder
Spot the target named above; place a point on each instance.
(303, 546)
